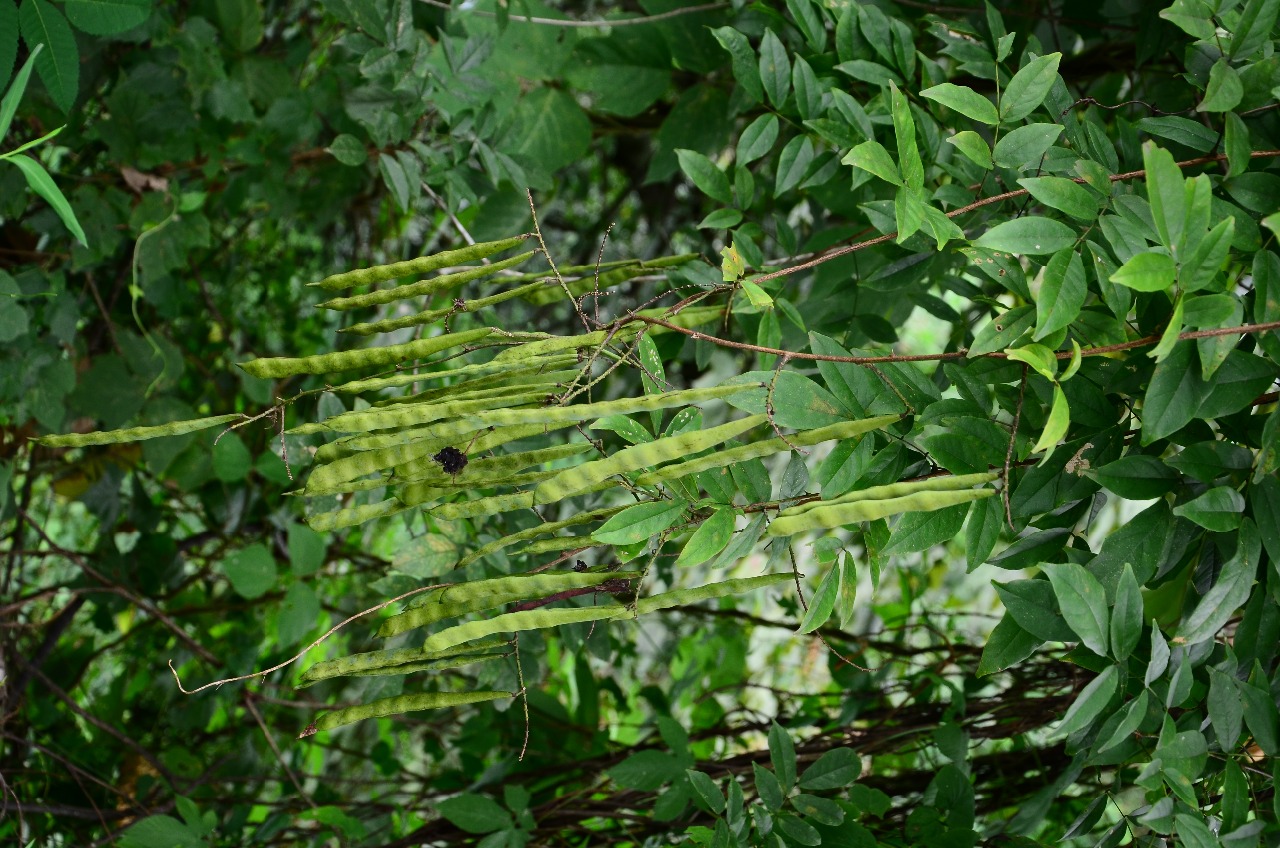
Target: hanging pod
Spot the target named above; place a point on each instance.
(136, 434)
(941, 483)
(827, 517)
(467, 371)
(534, 532)
(400, 704)
(421, 265)
(347, 360)
(423, 287)
(518, 622)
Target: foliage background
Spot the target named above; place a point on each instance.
(220, 155)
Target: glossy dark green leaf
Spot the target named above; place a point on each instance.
(1126, 615)
(1137, 477)
(1219, 509)
(823, 601)
(768, 788)
(640, 522)
(1084, 604)
(782, 753)
(835, 769)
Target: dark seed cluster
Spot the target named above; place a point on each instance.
(451, 460)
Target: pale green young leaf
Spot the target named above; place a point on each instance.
(964, 100)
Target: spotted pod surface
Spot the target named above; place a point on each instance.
(465, 372)
(517, 622)
(357, 664)
(827, 517)
(424, 287)
(681, 597)
(941, 483)
(477, 595)
(347, 360)
(431, 315)
(580, 478)
(401, 704)
(421, 265)
(543, 529)
(136, 434)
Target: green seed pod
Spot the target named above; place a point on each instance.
(466, 372)
(346, 360)
(826, 517)
(567, 415)
(324, 478)
(410, 415)
(432, 315)
(492, 505)
(742, 453)
(575, 480)
(353, 515)
(943, 483)
(434, 665)
(517, 622)
(612, 274)
(136, 434)
(534, 532)
(401, 704)
(398, 661)
(478, 444)
(558, 344)
(424, 287)
(683, 597)
(477, 595)
(421, 265)
(541, 386)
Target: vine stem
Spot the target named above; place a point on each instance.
(303, 652)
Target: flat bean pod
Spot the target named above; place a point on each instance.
(401, 704)
(578, 479)
(534, 532)
(353, 515)
(424, 287)
(346, 360)
(407, 415)
(495, 467)
(827, 517)
(943, 483)
(421, 265)
(742, 453)
(434, 665)
(430, 315)
(478, 444)
(324, 478)
(682, 597)
(136, 434)
(557, 344)
(416, 493)
(492, 386)
(476, 595)
(492, 505)
(372, 662)
(517, 622)
(568, 415)
(467, 371)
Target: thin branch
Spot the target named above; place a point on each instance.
(646, 19)
(1008, 454)
(303, 652)
(275, 749)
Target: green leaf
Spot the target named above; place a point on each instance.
(306, 549)
(1062, 194)
(1007, 646)
(1254, 27)
(639, 523)
(12, 97)
(964, 100)
(822, 602)
(904, 132)
(757, 139)
(1172, 330)
(299, 614)
(474, 813)
(551, 130)
(1166, 193)
(871, 156)
(1028, 88)
(59, 63)
(42, 184)
(1025, 147)
(1131, 716)
(1226, 708)
(1062, 293)
(746, 68)
(1126, 615)
(775, 68)
(231, 459)
(721, 219)
(1146, 272)
(705, 175)
(1219, 509)
(625, 426)
(793, 164)
(1137, 477)
(348, 150)
(646, 771)
(251, 570)
(1083, 602)
(707, 790)
(782, 753)
(1174, 394)
(919, 531)
(1228, 593)
(974, 147)
(711, 537)
(1003, 330)
(160, 832)
(1029, 235)
(835, 769)
(1093, 699)
(768, 788)
(107, 17)
(1225, 90)
(1055, 427)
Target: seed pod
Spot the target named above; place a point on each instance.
(534, 532)
(135, 434)
(517, 622)
(355, 664)
(430, 315)
(409, 415)
(346, 360)
(943, 483)
(742, 453)
(421, 265)
(467, 371)
(332, 668)
(578, 479)
(623, 406)
(477, 595)
(353, 515)
(400, 704)
(423, 287)
(491, 505)
(683, 597)
(612, 274)
(826, 517)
